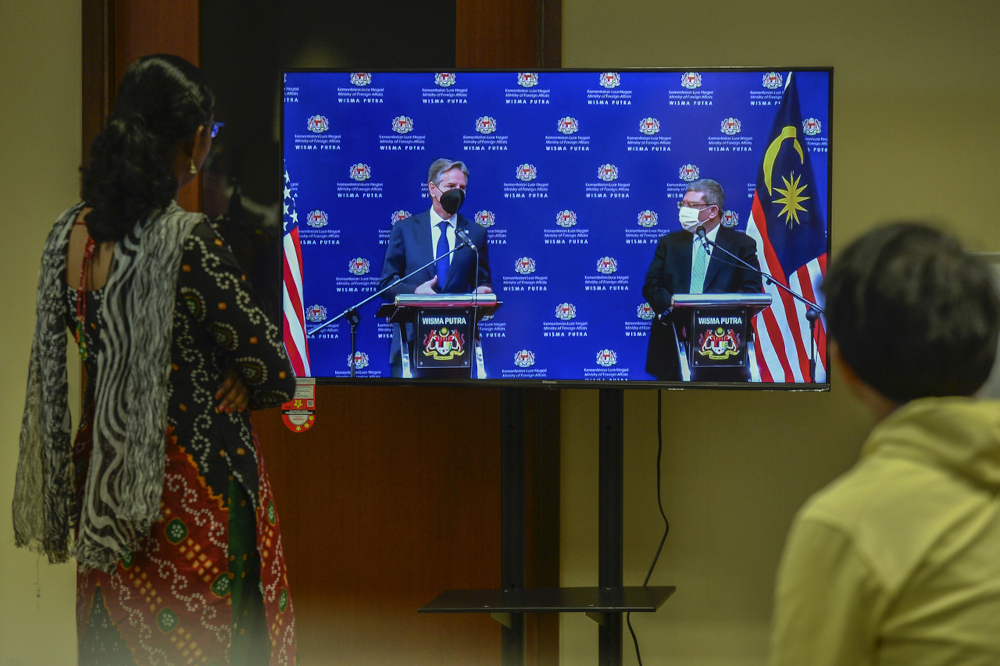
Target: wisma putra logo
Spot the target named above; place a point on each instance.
(730, 219)
(486, 125)
(524, 358)
(565, 311)
(526, 172)
(402, 124)
(689, 173)
(691, 80)
(811, 127)
(773, 81)
(361, 78)
(359, 266)
(524, 266)
(527, 79)
(318, 124)
(566, 219)
(398, 215)
(647, 219)
(649, 126)
(606, 358)
(567, 125)
(316, 313)
(645, 312)
(731, 126)
(607, 266)
(360, 172)
(485, 218)
(607, 172)
(360, 360)
(317, 219)
(610, 80)
(445, 79)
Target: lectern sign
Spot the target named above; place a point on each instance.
(443, 337)
(719, 338)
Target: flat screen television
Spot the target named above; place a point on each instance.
(574, 176)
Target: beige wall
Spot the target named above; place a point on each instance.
(915, 87)
(39, 154)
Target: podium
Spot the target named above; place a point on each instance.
(440, 332)
(719, 340)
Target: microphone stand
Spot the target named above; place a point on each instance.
(354, 317)
(813, 311)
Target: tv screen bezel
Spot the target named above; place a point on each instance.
(496, 382)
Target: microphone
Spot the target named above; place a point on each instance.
(464, 237)
(701, 234)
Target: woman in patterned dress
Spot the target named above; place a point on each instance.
(162, 496)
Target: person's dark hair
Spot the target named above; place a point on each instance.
(162, 100)
(912, 313)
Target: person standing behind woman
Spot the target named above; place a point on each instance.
(162, 497)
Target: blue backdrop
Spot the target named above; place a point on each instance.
(575, 175)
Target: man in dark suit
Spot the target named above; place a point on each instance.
(684, 264)
(420, 238)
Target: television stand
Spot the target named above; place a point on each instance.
(604, 603)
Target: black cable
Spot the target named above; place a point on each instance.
(659, 503)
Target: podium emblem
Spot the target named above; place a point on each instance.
(719, 344)
(443, 344)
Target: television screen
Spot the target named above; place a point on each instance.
(567, 262)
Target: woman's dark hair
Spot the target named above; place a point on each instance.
(162, 100)
(912, 313)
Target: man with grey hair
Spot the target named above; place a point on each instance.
(434, 233)
(684, 264)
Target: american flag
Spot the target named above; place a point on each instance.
(788, 225)
(293, 308)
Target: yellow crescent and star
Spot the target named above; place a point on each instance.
(791, 200)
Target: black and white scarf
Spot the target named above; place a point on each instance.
(124, 483)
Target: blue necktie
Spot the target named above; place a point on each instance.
(698, 269)
(442, 248)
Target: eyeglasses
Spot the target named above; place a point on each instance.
(216, 126)
(699, 206)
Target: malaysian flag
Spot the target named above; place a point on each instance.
(293, 308)
(788, 225)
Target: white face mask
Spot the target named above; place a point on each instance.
(689, 218)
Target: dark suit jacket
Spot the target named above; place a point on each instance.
(670, 273)
(410, 247)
